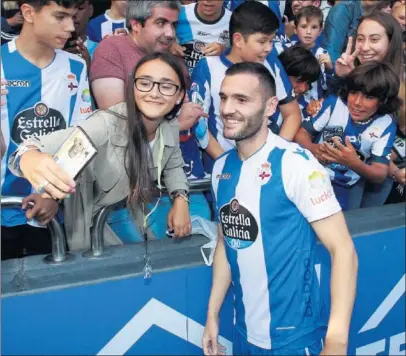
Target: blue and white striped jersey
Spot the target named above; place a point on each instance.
(103, 25)
(194, 33)
(373, 141)
(265, 205)
(207, 78)
(39, 101)
(277, 7)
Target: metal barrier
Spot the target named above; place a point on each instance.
(97, 249)
(59, 254)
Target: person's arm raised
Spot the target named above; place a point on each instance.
(292, 120)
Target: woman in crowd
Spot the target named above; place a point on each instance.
(378, 38)
(137, 143)
(354, 134)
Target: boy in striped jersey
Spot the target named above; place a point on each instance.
(47, 91)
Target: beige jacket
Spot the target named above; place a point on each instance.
(105, 181)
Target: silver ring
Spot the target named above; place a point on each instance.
(41, 188)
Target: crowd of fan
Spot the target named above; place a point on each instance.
(338, 68)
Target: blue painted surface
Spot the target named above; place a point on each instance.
(90, 315)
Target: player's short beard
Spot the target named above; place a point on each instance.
(253, 126)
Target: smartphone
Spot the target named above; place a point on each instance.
(333, 131)
(71, 42)
(75, 153)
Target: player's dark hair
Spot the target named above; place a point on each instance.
(300, 63)
(252, 17)
(309, 12)
(265, 78)
(378, 80)
(38, 4)
(138, 149)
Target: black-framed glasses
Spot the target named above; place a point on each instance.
(146, 85)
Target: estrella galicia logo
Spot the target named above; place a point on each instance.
(240, 229)
(36, 121)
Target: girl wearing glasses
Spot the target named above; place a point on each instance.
(137, 143)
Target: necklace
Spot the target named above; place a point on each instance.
(363, 123)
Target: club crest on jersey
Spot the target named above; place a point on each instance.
(374, 133)
(264, 173)
(36, 121)
(72, 83)
(224, 36)
(240, 228)
(198, 46)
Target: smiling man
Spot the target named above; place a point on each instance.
(47, 91)
(262, 182)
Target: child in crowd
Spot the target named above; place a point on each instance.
(303, 70)
(290, 27)
(107, 23)
(277, 7)
(309, 26)
(353, 134)
(202, 30)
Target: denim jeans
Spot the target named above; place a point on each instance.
(124, 226)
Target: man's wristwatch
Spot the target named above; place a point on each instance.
(180, 193)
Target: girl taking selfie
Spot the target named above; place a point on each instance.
(138, 146)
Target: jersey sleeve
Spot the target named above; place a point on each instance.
(107, 62)
(316, 124)
(83, 105)
(284, 89)
(307, 185)
(382, 148)
(92, 30)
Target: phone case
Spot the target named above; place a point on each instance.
(75, 153)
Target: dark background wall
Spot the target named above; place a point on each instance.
(100, 6)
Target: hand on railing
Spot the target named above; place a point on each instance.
(99, 220)
(59, 254)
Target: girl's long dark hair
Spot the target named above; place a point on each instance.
(394, 32)
(138, 149)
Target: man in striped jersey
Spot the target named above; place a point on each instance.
(272, 201)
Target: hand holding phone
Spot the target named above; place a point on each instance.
(75, 153)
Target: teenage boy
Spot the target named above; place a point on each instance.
(107, 23)
(277, 7)
(202, 30)
(47, 91)
(252, 30)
